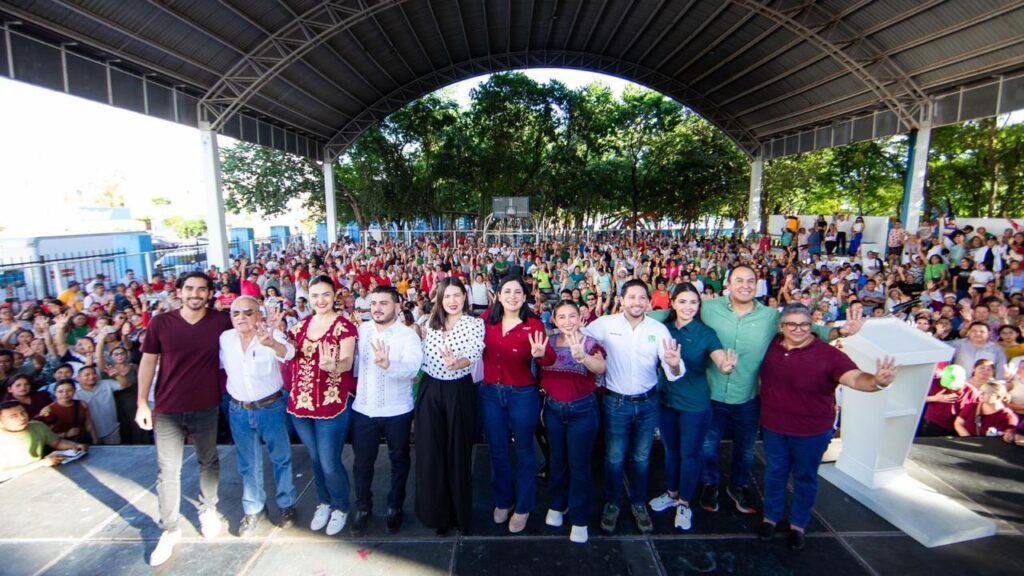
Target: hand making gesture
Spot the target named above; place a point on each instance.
(449, 358)
(538, 344)
(729, 363)
(380, 354)
(672, 357)
(885, 372)
(854, 321)
(575, 341)
(329, 356)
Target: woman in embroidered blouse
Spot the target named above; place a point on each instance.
(322, 383)
(571, 418)
(445, 420)
(510, 400)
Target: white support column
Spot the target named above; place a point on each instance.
(330, 205)
(754, 206)
(216, 229)
(918, 168)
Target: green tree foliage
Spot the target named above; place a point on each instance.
(185, 228)
(583, 153)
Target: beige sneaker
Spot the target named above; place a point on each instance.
(518, 522)
(501, 515)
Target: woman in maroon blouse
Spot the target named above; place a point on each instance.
(571, 417)
(19, 387)
(322, 383)
(988, 415)
(513, 338)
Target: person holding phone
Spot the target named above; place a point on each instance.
(23, 442)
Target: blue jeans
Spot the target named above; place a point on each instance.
(324, 439)
(799, 456)
(628, 427)
(682, 433)
(744, 419)
(572, 430)
(269, 424)
(516, 409)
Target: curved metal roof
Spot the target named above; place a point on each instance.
(778, 76)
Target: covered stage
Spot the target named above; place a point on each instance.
(96, 516)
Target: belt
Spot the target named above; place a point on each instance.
(634, 397)
(261, 403)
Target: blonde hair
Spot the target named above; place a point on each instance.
(997, 387)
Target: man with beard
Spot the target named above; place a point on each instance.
(636, 344)
(744, 324)
(185, 343)
(389, 356)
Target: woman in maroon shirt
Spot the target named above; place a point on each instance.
(322, 383)
(513, 338)
(988, 416)
(799, 377)
(571, 418)
(19, 387)
(943, 405)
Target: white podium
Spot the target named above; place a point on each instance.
(878, 429)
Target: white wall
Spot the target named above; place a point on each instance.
(876, 229)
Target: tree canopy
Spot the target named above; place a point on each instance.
(583, 154)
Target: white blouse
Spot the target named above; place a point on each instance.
(465, 340)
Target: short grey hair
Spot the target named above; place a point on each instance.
(246, 298)
(795, 308)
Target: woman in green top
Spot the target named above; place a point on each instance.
(936, 270)
(686, 403)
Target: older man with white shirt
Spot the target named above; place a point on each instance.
(636, 346)
(251, 354)
(389, 356)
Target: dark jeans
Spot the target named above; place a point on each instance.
(170, 431)
(366, 433)
(744, 419)
(515, 410)
(799, 456)
(841, 242)
(324, 439)
(682, 433)
(629, 428)
(248, 428)
(571, 431)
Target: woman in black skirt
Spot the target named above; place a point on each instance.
(445, 421)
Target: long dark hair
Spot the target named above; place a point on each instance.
(325, 279)
(498, 311)
(438, 315)
(679, 289)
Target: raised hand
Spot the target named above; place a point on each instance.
(40, 325)
(62, 319)
(672, 357)
(380, 354)
(274, 316)
(449, 358)
(885, 372)
(731, 358)
(575, 341)
(328, 357)
(854, 321)
(538, 344)
(265, 334)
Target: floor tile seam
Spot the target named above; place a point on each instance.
(267, 540)
(846, 545)
(96, 529)
(658, 565)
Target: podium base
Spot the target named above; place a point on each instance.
(925, 515)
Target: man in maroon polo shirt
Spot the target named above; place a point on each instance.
(185, 343)
(799, 376)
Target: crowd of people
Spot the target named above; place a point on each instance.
(574, 343)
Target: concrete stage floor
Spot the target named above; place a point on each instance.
(96, 516)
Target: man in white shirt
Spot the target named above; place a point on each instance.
(388, 358)
(363, 305)
(251, 354)
(636, 345)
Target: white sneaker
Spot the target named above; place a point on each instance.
(578, 534)
(320, 517)
(164, 547)
(684, 517)
(554, 518)
(209, 523)
(662, 502)
(337, 522)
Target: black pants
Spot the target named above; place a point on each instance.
(841, 241)
(366, 433)
(445, 427)
(930, 429)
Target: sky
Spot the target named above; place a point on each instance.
(61, 151)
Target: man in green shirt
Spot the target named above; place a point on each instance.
(22, 442)
(744, 324)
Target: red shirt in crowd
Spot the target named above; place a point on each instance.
(798, 387)
(507, 358)
(566, 379)
(189, 378)
(994, 424)
(942, 414)
(249, 288)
